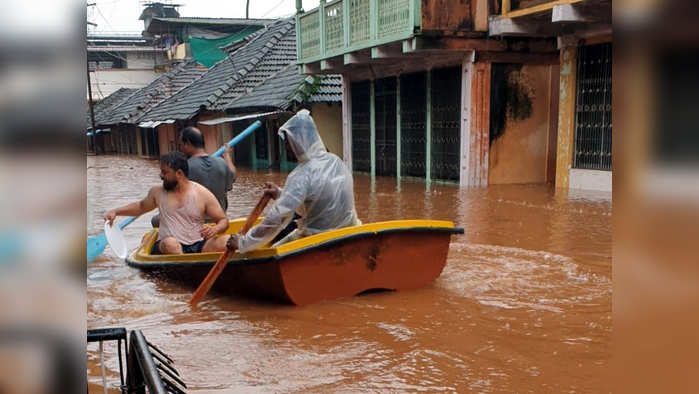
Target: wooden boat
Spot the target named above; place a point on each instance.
(393, 255)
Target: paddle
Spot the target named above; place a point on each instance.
(221, 262)
(97, 243)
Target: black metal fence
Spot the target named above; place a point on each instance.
(385, 107)
(446, 123)
(413, 91)
(361, 134)
(593, 120)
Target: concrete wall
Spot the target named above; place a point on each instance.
(106, 82)
(144, 60)
(328, 119)
(520, 153)
(590, 180)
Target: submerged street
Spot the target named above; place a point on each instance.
(523, 304)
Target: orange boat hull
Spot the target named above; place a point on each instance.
(391, 259)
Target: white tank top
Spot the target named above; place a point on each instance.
(183, 223)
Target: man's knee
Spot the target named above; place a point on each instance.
(170, 245)
(216, 244)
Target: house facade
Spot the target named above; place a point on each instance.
(430, 91)
(121, 61)
(583, 31)
(258, 80)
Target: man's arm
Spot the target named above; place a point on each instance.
(135, 208)
(214, 211)
(282, 212)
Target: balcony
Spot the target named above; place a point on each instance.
(546, 18)
(341, 27)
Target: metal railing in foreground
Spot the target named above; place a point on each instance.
(148, 369)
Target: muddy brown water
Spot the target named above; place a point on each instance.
(523, 304)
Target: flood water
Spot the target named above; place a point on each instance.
(523, 304)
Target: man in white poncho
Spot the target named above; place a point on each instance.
(320, 189)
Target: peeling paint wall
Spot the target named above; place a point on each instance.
(328, 119)
(519, 144)
(566, 117)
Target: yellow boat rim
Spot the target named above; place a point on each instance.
(142, 256)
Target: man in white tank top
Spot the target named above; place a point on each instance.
(183, 205)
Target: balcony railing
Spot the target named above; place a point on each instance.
(342, 26)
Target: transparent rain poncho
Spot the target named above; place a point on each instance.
(320, 189)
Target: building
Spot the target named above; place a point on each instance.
(257, 80)
(102, 111)
(433, 90)
(122, 117)
(197, 38)
(134, 60)
(121, 61)
(583, 30)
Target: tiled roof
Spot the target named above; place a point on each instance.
(220, 78)
(287, 86)
(160, 89)
(104, 108)
(267, 59)
(328, 91)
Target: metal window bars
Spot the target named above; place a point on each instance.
(593, 109)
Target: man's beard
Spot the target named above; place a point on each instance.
(169, 185)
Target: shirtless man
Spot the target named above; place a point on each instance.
(183, 205)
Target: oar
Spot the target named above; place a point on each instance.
(221, 262)
(97, 243)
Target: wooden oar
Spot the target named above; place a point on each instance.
(221, 262)
(97, 243)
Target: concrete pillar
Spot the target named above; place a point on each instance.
(346, 121)
(566, 116)
(398, 144)
(428, 128)
(372, 127)
(139, 141)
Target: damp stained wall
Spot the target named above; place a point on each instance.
(521, 123)
(166, 138)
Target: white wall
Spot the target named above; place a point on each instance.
(105, 82)
(144, 60)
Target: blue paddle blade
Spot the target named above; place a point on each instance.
(12, 246)
(95, 246)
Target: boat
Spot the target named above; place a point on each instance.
(391, 255)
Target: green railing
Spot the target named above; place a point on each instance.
(342, 26)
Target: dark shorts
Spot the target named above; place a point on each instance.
(193, 248)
